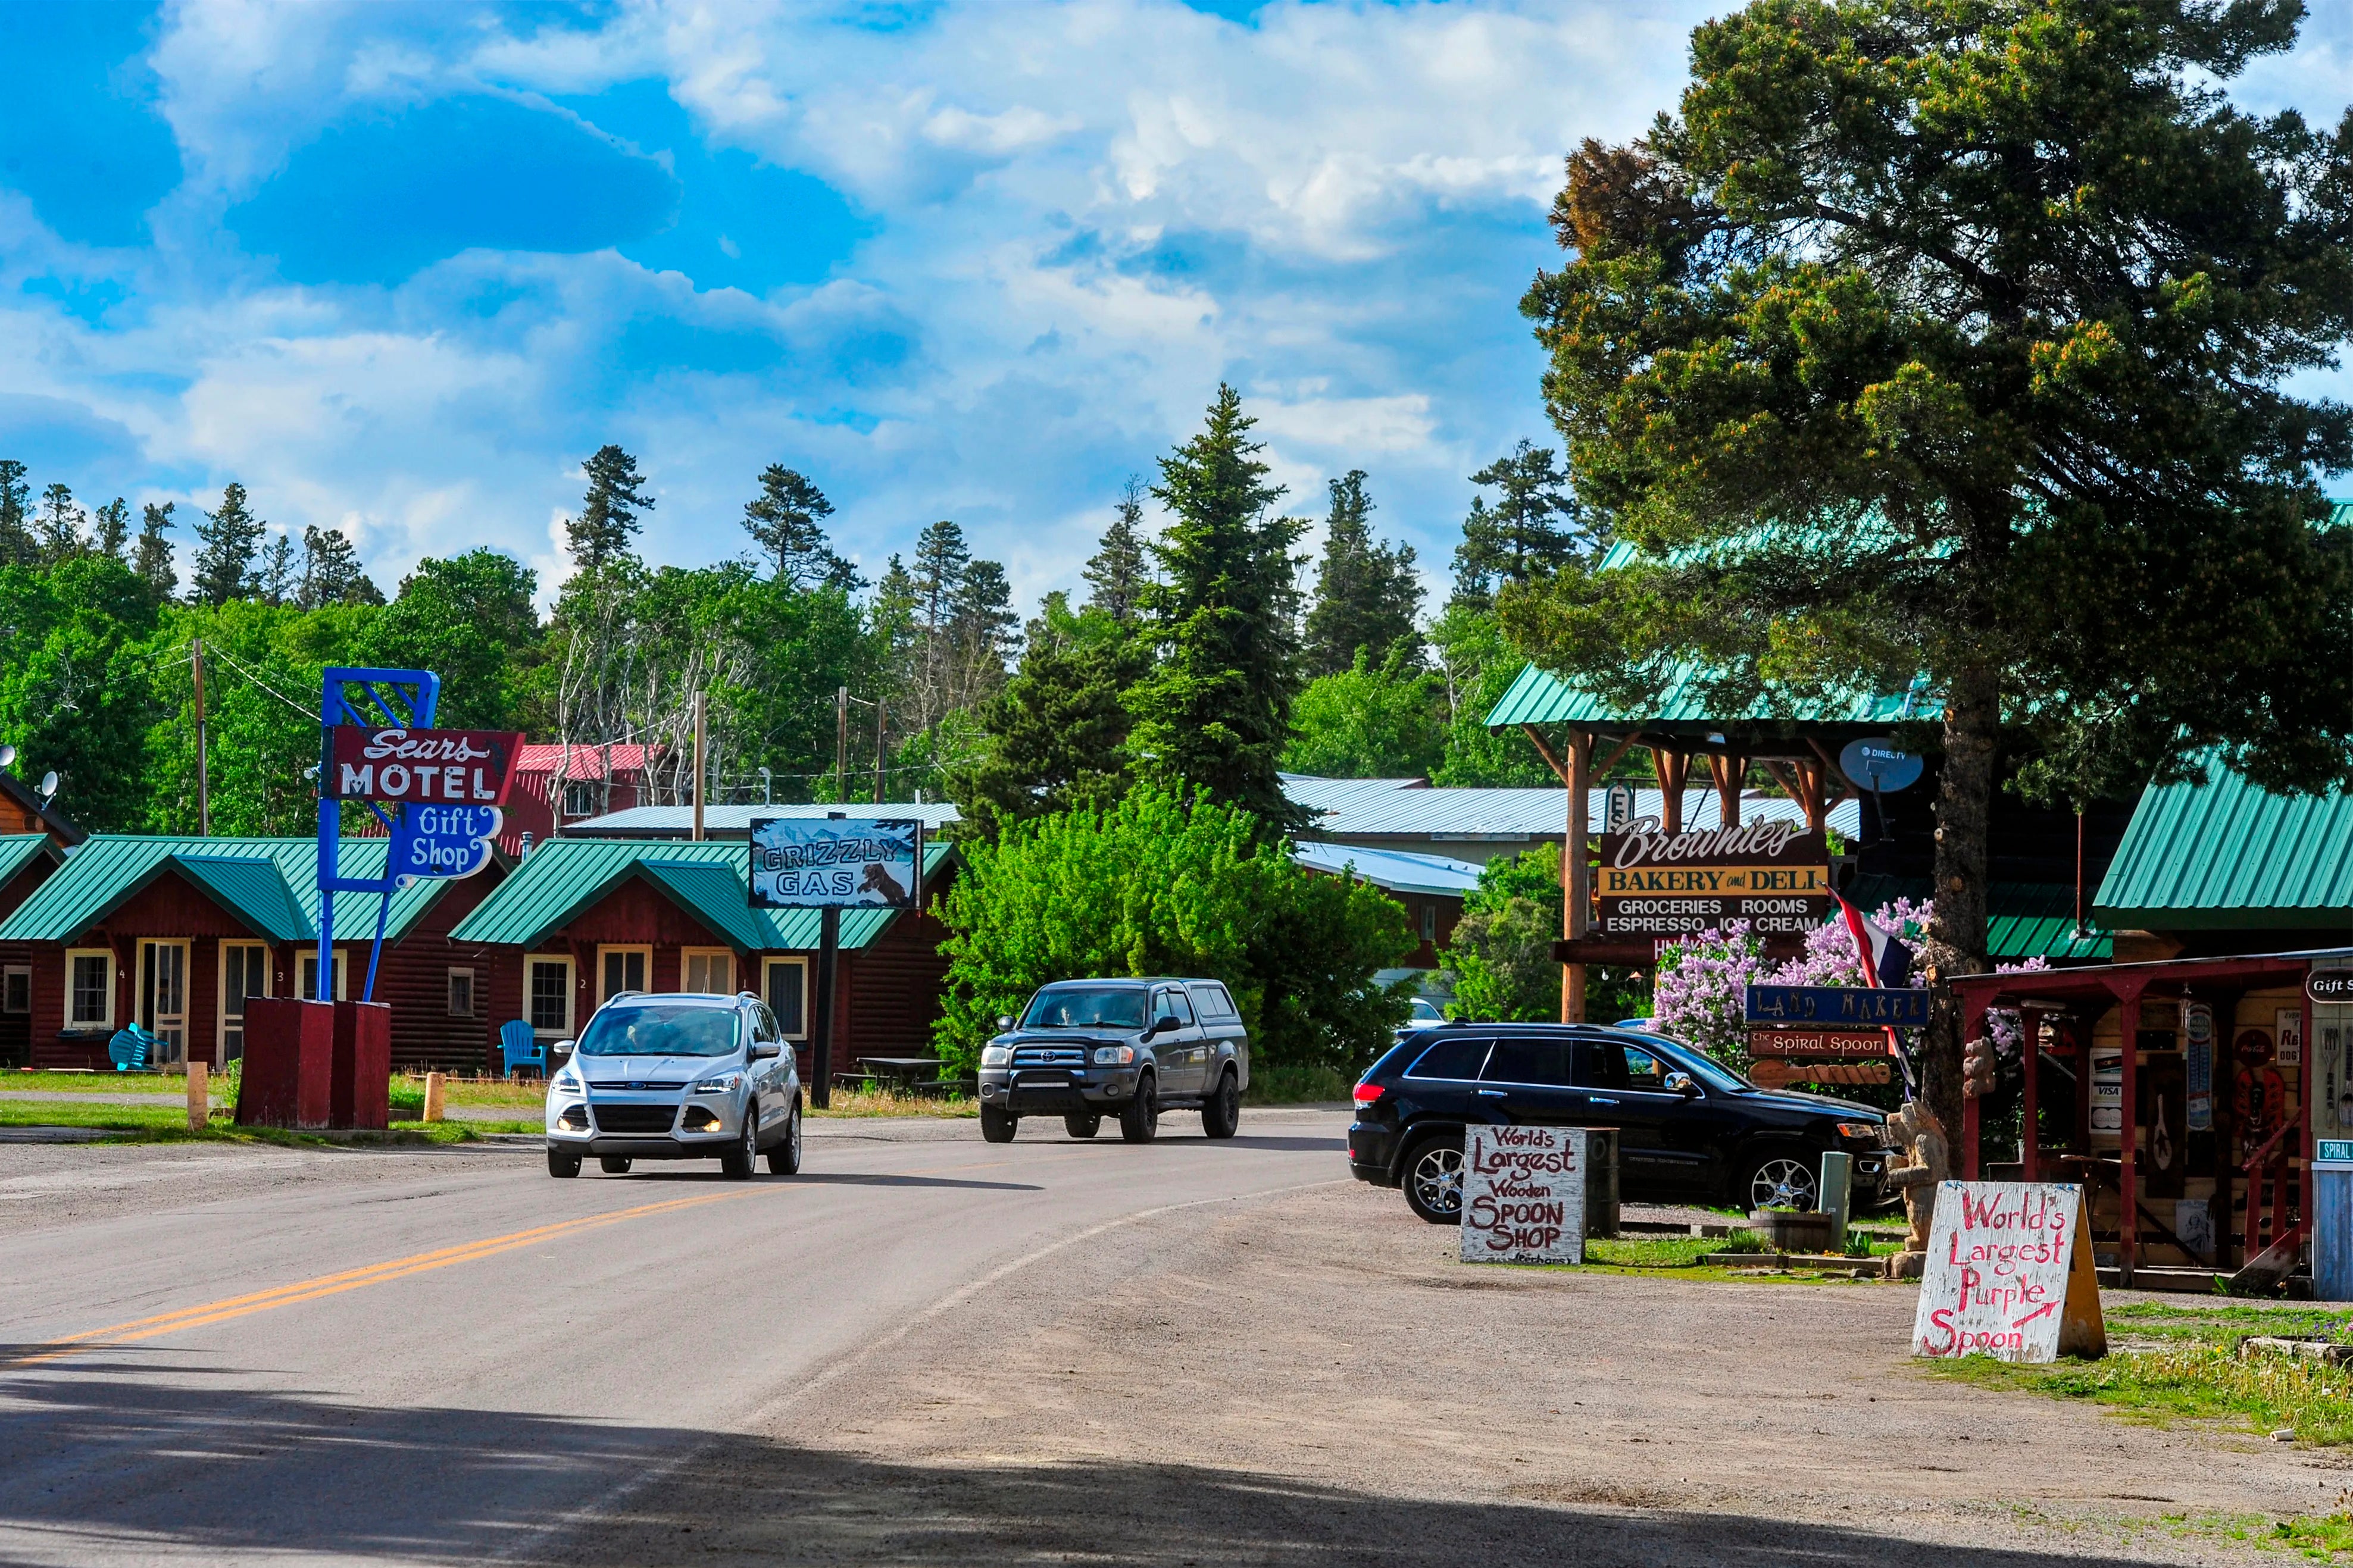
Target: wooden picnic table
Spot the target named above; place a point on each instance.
(906, 1068)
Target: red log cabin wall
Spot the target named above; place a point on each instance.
(16, 1028)
(415, 979)
(892, 991)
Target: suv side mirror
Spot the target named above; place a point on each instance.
(1681, 1083)
(765, 1050)
(558, 1053)
(1161, 1026)
(1005, 1020)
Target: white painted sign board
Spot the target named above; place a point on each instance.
(2009, 1275)
(1524, 1195)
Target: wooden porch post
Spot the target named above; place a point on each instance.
(1729, 771)
(2127, 1172)
(2031, 1055)
(1673, 770)
(1574, 878)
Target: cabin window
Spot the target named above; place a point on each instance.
(306, 970)
(711, 969)
(580, 800)
(1429, 922)
(548, 987)
(244, 974)
(621, 969)
(16, 988)
(461, 994)
(786, 991)
(90, 989)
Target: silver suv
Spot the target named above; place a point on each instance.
(1128, 1048)
(677, 1076)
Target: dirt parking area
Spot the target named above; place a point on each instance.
(1315, 1380)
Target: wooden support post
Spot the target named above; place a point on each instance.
(2030, 1059)
(436, 1092)
(2127, 1172)
(200, 1095)
(840, 743)
(1729, 771)
(701, 717)
(204, 775)
(1673, 770)
(881, 709)
(1574, 879)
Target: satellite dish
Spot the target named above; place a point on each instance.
(1875, 764)
(7, 755)
(49, 785)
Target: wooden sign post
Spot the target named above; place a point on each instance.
(1524, 1195)
(2009, 1275)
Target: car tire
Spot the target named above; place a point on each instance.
(560, 1163)
(784, 1159)
(1433, 1179)
(736, 1163)
(1776, 1178)
(1082, 1125)
(998, 1126)
(1139, 1118)
(613, 1164)
(1221, 1113)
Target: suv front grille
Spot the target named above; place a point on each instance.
(631, 1086)
(1049, 1056)
(634, 1118)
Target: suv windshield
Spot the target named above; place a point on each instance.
(658, 1029)
(1087, 1007)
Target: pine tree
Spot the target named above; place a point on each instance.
(607, 522)
(279, 577)
(1118, 571)
(982, 627)
(1215, 711)
(59, 527)
(1054, 733)
(227, 542)
(1517, 538)
(1367, 593)
(785, 523)
(151, 556)
(15, 494)
(111, 527)
(331, 572)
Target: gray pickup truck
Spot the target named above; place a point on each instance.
(1085, 1049)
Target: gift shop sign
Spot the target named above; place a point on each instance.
(1774, 875)
(1524, 1195)
(439, 767)
(2009, 1275)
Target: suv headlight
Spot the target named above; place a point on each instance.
(568, 1082)
(725, 1083)
(1113, 1056)
(1860, 1129)
(995, 1056)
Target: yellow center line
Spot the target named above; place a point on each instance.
(350, 1279)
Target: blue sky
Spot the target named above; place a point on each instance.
(400, 267)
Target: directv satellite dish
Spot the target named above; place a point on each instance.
(48, 785)
(1875, 764)
(7, 755)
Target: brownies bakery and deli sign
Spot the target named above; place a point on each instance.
(1774, 875)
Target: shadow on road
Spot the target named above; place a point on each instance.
(106, 1467)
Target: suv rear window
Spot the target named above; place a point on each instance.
(1453, 1057)
(1531, 1061)
(1215, 1005)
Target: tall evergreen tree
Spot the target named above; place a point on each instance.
(59, 527)
(151, 556)
(984, 627)
(1216, 710)
(785, 520)
(1534, 526)
(1958, 337)
(1367, 593)
(607, 522)
(227, 542)
(331, 572)
(111, 528)
(278, 581)
(15, 530)
(1118, 571)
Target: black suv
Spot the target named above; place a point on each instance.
(1689, 1129)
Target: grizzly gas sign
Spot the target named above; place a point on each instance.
(1774, 875)
(438, 767)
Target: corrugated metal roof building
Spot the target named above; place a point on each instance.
(26, 859)
(2217, 865)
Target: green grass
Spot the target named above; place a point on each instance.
(891, 1102)
(1666, 1251)
(2178, 1364)
(1292, 1085)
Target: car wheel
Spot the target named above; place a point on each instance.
(784, 1159)
(613, 1164)
(1082, 1125)
(1221, 1113)
(998, 1126)
(560, 1163)
(1139, 1118)
(1777, 1180)
(737, 1163)
(1433, 1179)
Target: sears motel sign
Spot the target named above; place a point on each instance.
(420, 767)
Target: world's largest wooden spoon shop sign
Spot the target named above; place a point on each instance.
(2009, 1275)
(1524, 1195)
(1774, 875)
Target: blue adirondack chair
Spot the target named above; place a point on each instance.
(521, 1048)
(132, 1048)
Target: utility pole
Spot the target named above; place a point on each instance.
(701, 714)
(880, 708)
(204, 781)
(841, 743)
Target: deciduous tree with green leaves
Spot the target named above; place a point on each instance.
(1368, 723)
(1954, 335)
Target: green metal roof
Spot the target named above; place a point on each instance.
(709, 880)
(1540, 697)
(18, 850)
(2219, 852)
(269, 884)
(2023, 919)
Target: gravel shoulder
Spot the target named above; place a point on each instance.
(1313, 1379)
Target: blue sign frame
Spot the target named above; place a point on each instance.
(385, 698)
(1850, 1006)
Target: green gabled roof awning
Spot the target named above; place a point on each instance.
(2218, 852)
(18, 850)
(709, 880)
(2023, 919)
(1540, 697)
(271, 884)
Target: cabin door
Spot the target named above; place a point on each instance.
(163, 996)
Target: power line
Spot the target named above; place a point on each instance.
(235, 664)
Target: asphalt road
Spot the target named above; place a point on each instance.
(446, 1355)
